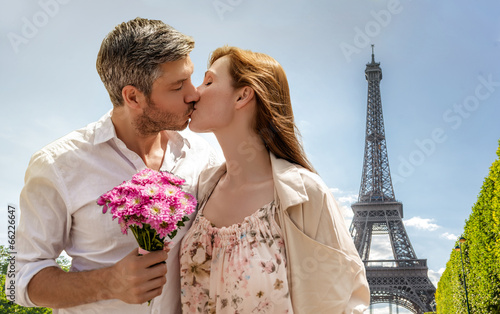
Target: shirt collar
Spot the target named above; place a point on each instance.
(178, 139)
(104, 129)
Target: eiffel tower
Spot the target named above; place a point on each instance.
(402, 280)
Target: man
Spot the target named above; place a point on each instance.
(145, 66)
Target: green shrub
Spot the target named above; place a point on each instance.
(481, 256)
(6, 306)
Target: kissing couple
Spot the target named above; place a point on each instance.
(267, 235)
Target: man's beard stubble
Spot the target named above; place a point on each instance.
(153, 121)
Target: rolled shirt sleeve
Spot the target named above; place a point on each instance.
(44, 223)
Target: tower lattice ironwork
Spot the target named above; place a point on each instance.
(403, 280)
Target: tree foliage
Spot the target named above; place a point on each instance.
(480, 253)
(6, 306)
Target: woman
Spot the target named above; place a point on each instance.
(268, 236)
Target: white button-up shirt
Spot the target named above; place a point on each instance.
(59, 210)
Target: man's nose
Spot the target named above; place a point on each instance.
(193, 95)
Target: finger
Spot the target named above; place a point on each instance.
(147, 290)
(153, 272)
(158, 270)
(151, 294)
(153, 258)
(154, 285)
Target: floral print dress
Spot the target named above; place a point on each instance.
(235, 269)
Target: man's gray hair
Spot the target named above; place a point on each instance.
(131, 54)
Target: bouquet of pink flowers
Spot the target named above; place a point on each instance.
(152, 205)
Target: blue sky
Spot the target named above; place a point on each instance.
(440, 88)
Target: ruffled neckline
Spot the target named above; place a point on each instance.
(237, 227)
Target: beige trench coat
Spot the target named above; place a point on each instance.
(325, 272)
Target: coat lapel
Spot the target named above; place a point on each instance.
(288, 183)
(207, 179)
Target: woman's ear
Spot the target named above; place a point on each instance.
(132, 97)
(245, 95)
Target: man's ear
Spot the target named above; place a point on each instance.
(132, 97)
(245, 95)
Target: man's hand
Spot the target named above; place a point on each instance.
(136, 279)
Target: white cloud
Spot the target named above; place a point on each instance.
(449, 236)
(348, 199)
(380, 248)
(383, 308)
(434, 276)
(345, 199)
(421, 223)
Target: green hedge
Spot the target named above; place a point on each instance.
(481, 256)
(6, 306)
